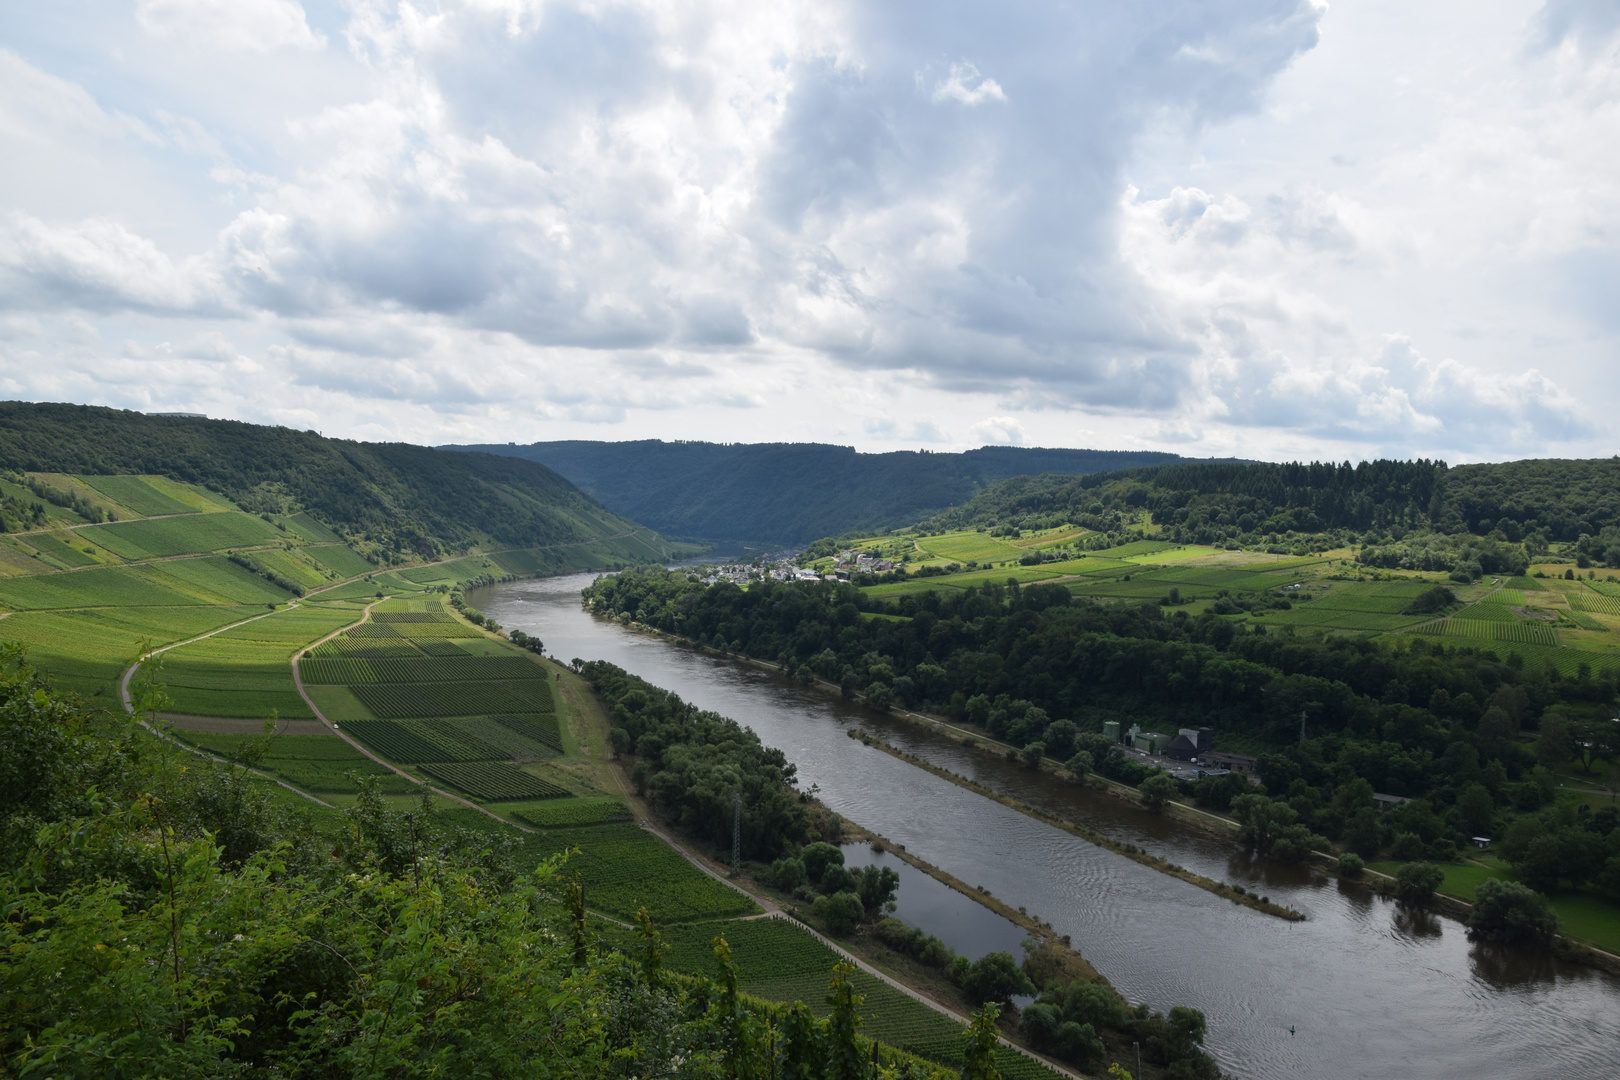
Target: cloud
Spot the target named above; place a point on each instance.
(966, 86)
(232, 25)
(1185, 219)
(998, 431)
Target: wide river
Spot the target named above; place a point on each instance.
(1368, 988)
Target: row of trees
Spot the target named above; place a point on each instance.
(1441, 726)
(692, 762)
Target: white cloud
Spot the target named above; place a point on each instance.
(1189, 223)
(966, 86)
(997, 431)
(235, 25)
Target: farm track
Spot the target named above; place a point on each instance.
(298, 682)
(129, 706)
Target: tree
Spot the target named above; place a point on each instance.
(1032, 755)
(1554, 744)
(842, 912)
(818, 856)
(1157, 790)
(879, 696)
(1081, 763)
(789, 873)
(1508, 912)
(1415, 883)
(1260, 819)
(996, 977)
(1477, 809)
(877, 888)
(1059, 737)
(1351, 864)
(979, 1049)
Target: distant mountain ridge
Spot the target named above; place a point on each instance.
(395, 499)
(794, 492)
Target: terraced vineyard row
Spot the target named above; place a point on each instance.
(1601, 605)
(1485, 630)
(565, 813)
(416, 742)
(495, 781)
(460, 668)
(398, 701)
(414, 617)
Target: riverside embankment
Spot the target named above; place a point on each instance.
(1370, 988)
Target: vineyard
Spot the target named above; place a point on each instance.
(574, 812)
(340, 559)
(1510, 597)
(625, 868)
(1600, 605)
(440, 616)
(462, 668)
(320, 763)
(135, 493)
(1486, 630)
(395, 701)
(192, 533)
(413, 742)
(494, 781)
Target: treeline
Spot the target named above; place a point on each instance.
(1553, 500)
(390, 498)
(692, 763)
(164, 918)
(1437, 724)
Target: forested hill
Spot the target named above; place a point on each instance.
(396, 496)
(1558, 499)
(791, 492)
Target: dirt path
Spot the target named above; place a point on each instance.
(298, 681)
(129, 706)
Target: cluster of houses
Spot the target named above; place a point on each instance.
(862, 562)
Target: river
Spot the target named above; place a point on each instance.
(1369, 988)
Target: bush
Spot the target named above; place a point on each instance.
(1508, 912)
(1040, 1024)
(1351, 864)
(1033, 753)
(788, 873)
(837, 879)
(841, 912)
(1415, 882)
(1081, 763)
(818, 856)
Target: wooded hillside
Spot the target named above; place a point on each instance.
(395, 495)
(793, 492)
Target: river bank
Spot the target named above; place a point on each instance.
(1465, 1008)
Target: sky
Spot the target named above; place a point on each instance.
(1276, 229)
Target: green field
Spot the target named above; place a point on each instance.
(624, 868)
(318, 763)
(556, 813)
(190, 534)
(494, 781)
(138, 495)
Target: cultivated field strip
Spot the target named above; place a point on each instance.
(1600, 605)
(494, 781)
(461, 668)
(393, 701)
(414, 617)
(625, 868)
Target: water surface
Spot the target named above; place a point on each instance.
(1371, 989)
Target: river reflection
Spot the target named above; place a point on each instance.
(1370, 989)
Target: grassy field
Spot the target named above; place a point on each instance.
(319, 763)
(1582, 914)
